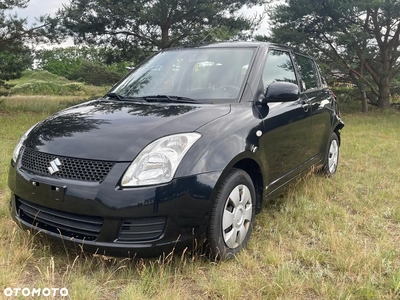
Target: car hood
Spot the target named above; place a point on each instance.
(115, 130)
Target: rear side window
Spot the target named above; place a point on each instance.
(278, 67)
(308, 72)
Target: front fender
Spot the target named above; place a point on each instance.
(224, 142)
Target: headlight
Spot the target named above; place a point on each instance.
(19, 145)
(157, 163)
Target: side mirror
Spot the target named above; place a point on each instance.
(281, 92)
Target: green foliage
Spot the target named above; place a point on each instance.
(14, 55)
(14, 32)
(34, 75)
(14, 61)
(46, 83)
(59, 61)
(358, 38)
(12, 27)
(47, 88)
(95, 74)
(151, 25)
(87, 64)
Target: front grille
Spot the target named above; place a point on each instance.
(70, 168)
(145, 229)
(67, 224)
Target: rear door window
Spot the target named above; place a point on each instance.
(308, 72)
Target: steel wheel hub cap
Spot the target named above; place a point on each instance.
(237, 215)
(333, 156)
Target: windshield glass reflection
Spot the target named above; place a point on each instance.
(203, 74)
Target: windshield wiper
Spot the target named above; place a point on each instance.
(152, 98)
(169, 98)
(122, 98)
(115, 95)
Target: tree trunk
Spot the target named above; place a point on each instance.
(164, 37)
(364, 101)
(361, 87)
(384, 79)
(384, 92)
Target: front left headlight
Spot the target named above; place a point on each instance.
(19, 145)
(158, 161)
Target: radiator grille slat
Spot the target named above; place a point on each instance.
(70, 168)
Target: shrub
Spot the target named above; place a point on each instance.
(96, 74)
(47, 88)
(346, 94)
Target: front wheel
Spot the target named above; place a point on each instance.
(232, 216)
(332, 158)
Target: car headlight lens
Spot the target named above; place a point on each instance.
(158, 161)
(19, 145)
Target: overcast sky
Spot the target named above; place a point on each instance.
(38, 8)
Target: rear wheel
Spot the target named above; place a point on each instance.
(332, 158)
(232, 216)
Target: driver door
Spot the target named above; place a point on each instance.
(287, 125)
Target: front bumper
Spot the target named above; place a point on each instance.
(106, 219)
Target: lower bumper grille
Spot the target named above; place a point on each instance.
(138, 230)
(67, 224)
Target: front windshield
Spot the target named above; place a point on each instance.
(213, 74)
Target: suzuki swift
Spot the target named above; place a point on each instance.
(182, 152)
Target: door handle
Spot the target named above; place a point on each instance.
(305, 105)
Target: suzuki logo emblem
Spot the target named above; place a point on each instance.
(54, 164)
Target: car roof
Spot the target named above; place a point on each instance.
(244, 44)
(241, 44)
(233, 44)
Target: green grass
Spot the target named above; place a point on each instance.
(327, 238)
(43, 105)
(45, 83)
(31, 76)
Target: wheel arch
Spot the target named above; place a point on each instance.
(338, 125)
(253, 169)
(337, 131)
(217, 244)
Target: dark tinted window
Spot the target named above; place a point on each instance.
(308, 72)
(321, 77)
(278, 67)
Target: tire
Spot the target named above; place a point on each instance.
(332, 156)
(232, 215)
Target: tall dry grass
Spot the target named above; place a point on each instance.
(327, 238)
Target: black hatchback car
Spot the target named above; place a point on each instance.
(183, 150)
